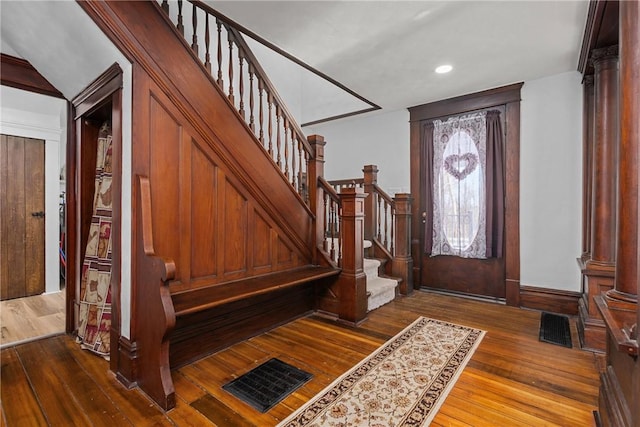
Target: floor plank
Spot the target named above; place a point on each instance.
(19, 403)
(512, 379)
(27, 318)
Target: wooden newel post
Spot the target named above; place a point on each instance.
(352, 283)
(316, 170)
(370, 205)
(402, 264)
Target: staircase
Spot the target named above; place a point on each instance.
(380, 289)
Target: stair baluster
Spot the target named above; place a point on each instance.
(270, 122)
(293, 159)
(207, 42)
(279, 159)
(230, 39)
(252, 125)
(284, 157)
(241, 82)
(300, 163)
(180, 25)
(286, 147)
(260, 92)
(219, 80)
(194, 21)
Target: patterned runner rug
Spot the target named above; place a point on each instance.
(403, 383)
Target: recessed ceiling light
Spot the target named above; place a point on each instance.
(442, 69)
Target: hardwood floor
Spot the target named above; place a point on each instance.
(27, 318)
(511, 380)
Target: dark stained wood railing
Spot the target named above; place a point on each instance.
(339, 184)
(331, 212)
(386, 212)
(248, 88)
(387, 222)
(379, 208)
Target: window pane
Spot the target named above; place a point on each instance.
(462, 183)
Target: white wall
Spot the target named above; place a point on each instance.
(550, 171)
(380, 139)
(70, 51)
(30, 115)
(551, 182)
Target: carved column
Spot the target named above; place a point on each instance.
(626, 281)
(588, 121)
(619, 400)
(402, 264)
(352, 283)
(603, 231)
(316, 170)
(599, 270)
(589, 324)
(370, 205)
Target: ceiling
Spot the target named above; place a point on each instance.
(386, 51)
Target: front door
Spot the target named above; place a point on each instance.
(22, 227)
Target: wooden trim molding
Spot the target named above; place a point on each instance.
(465, 103)
(97, 91)
(127, 355)
(104, 92)
(551, 300)
(20, 74)
(601, 30)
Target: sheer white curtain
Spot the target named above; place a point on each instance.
(459, 168)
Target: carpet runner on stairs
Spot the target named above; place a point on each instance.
(380, 290)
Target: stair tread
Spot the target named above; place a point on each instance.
(380, 285)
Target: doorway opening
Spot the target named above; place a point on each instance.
(33, 137)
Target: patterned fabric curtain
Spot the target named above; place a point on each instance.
(459, 166)
(94, 321)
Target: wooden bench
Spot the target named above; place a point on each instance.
(174, 329)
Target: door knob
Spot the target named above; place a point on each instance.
(39, 214)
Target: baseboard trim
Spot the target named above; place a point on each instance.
(551, 300)
(126, 371)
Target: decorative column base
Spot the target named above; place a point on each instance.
(618, 399)
(597, 279)
(352, 297)
(403, 267)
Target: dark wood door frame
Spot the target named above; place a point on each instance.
(102, 98)
(509, 96)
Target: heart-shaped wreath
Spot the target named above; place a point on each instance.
(456, 167)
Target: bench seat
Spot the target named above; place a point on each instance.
(195, 300)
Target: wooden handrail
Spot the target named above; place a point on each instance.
(350, 182)
(248, 89)
(383, 194)
(327, 187)
(239, 39)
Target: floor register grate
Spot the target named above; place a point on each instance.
(554, 329)
(263, 387)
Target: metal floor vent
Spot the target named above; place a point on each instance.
(263, 387)
(554, 329)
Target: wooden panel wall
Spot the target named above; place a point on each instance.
(205, 218)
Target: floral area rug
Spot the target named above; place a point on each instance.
(403, 383)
